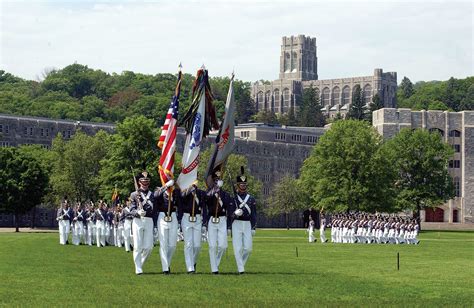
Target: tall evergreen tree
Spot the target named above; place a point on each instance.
(406, 87)
(358, 110)
(310, 114)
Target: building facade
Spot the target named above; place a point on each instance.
(457, 130)
(299, 70)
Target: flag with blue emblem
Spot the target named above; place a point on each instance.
(198, 121)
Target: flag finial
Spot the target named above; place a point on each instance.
(203, 67)
(180, 66)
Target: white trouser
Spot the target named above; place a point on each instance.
(217, 239)
(192, 240)
(322, 236)
(310, 233)
(64, 227)
(109, 234)
(78, 233)
(90, 233)
(333, 236)
(242, 242)
(142, 241)
(118, 235)
(127, 233)
(167, 233)
(100, 232)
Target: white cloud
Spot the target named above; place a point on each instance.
(424, 41)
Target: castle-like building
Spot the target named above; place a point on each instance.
(299, 70)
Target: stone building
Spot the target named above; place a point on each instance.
(299, 70)
(456, 129)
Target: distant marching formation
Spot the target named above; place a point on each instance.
(367, 229)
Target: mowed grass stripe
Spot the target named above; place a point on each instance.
(36, 270)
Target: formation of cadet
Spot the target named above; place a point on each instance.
(160, 216)
(367, 229)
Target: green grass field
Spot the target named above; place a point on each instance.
(36, 271)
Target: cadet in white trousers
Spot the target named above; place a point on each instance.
(79, 231)
(192, 212)
(144, 210)
(127, 219)
(167, 223)
(218, 203)
(311, 237)
(322, 229)
(243, 214)
(100, 223)
(64, 218)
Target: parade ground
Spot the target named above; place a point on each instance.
(283, 270)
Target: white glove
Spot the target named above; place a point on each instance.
(155, 231)
(238, 212)
(253, 232)
(169, 183)
(203, 230)
(142, 213)
(229, 232)
(220, 183)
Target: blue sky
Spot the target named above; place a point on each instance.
(421, 40)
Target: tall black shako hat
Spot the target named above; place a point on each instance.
(143, 177)
(242, 179)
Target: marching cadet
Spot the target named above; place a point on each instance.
(109, 227)
(64, 218)
(126, 217)
(143, 209)
(310, 230)
(322, 229)
(243, 212)
(91, 232)
(192, 212)
(100, 223)
(78, 231)
(118, 226)
(168, 204)
(218, 203)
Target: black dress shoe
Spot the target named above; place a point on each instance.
(166, 272)
(241, 273)
(191, 272)
(215, 273)
(195, 266)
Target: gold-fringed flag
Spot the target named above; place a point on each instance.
(225, 138)
(198, 121)
(115, 196)
(167, 141)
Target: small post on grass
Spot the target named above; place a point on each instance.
(398, 261)
(297, 251)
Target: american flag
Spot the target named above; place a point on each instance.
(167, 141)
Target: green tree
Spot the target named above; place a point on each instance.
(420, 159)
(76, 165)
(284, 198)
(358, 110)
(23, 182)
(345, 171)
(133, 145)
(406, 87)
(265, 116)
(310, 114)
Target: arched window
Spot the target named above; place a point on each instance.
(276, 99)
(336, 96)
(268, 100)
(287, 62)
(260, 100)
(454, 133)
(346, 95)
(437, 130)
(367, 93)
(294, 62)
(286, 100)
(325, 97)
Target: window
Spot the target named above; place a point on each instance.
(346, 95)
(454, 163)
(296, 138)
(280, 136)
(25, 130)
(266, 151)
(31, 131)
(276, 99)
(437, 130)
(47, 132)
(286, 100)
(325, 97)
(457, 148)
(69, 134)
(367, 94)
(454, 133)
(7, 129)
(291, 153)
(336, 96)
(266, 191)
(311, 139)
(266, 178)
(42, 132)
(245, 134)
(1, 128)
(457, 187)
(4, 144)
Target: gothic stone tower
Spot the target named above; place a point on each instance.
(298, 60)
